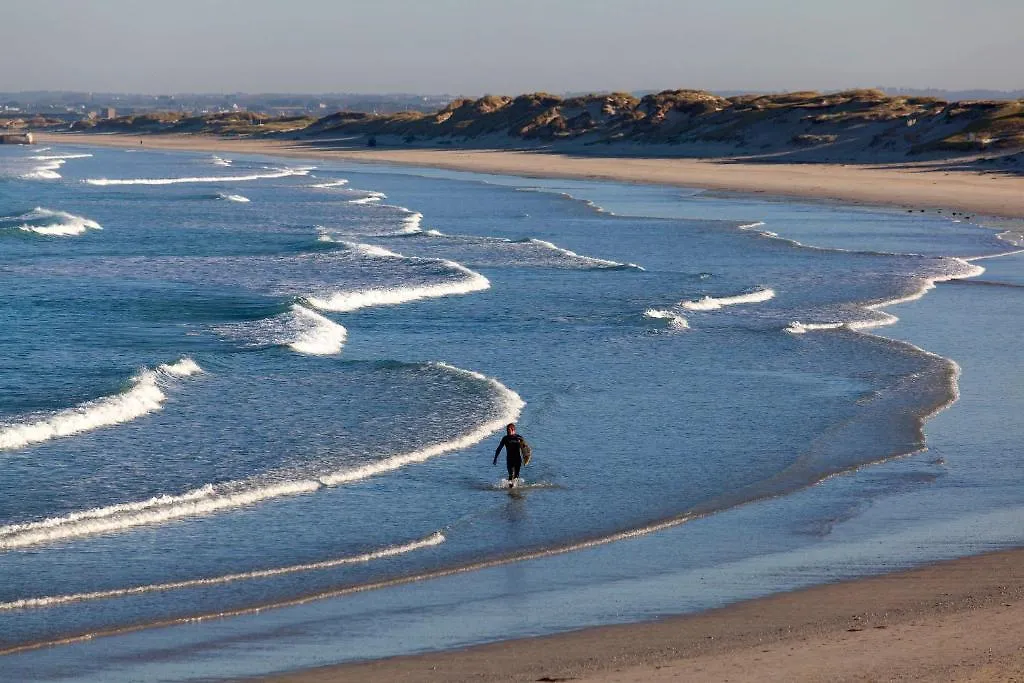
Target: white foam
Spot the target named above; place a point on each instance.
(711, 303)
(750, 226)
(61, 157)
(218, 161)
(364, 200)
(300, 329)
(333, 183)
(432, 540)
(144, 396)
(590, 261)
(46, 171)
(797, 327)
(676, 321)
(232, 197)
(392, 296)
(65, 224)
(316, 335)
(230, 495)
(411, 223)
(343, 302)
(370, 250)
(277, 173)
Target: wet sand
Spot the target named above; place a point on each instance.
(910, 186)
(953, 621)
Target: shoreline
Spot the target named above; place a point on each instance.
(953, 620)
(956, 617)
(910, 186)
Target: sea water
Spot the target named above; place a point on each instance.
(232, 384)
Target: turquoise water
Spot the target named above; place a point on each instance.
(212, 404)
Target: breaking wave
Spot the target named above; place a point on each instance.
(434, 539)
(587, 261)
(299, 328)
(370, 197)
(232, 197)
(218, 161)
(711, 303)
(51, 163)
(142, 397)
(467, 281)
(332, 183)
(676, 321)
(50, 223)
(275, 173)
(213, 498)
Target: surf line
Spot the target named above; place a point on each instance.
(966, 269)
(229, 495)
(274, 173)
(434, 539)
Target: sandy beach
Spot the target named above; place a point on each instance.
(953, 621)
(909, 186)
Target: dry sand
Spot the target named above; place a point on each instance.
(916, 186)
(955, 621)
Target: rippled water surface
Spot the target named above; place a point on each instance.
(230, 383)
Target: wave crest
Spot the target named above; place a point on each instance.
(144, 396)
(711, 303)
(277, 173)
(51, 223)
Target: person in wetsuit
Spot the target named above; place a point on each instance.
(513, 445)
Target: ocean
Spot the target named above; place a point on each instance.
(250, 404)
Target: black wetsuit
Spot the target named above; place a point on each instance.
(512, 443)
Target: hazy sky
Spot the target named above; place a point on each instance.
(508, 46)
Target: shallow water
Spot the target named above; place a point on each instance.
(359, 347)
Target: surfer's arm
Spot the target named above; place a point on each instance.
(498, 449)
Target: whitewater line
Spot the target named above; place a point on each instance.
(591, 260)
(676, 321)
(969, 270)
(144, 396)
(333, 183)
(711, 303)
(299, 328)
(435, 539)
(66, 224)
(280, 173)
(215, 498)
(344, 302)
